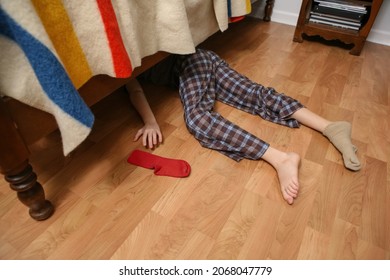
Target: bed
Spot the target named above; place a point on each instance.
(59, 58)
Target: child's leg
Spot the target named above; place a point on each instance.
(339, 134)
(286, 165)
(310, 119)
(198, 94)
(240, 92)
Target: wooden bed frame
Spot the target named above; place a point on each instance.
(19, 129)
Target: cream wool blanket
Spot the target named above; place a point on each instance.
(50, 48)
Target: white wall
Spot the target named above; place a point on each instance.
(287, 11)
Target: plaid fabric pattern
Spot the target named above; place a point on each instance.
(205, 78)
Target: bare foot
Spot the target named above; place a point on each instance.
(287, 170)
(286, 165)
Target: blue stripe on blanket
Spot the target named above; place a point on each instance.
(49, 71)
(229, 8)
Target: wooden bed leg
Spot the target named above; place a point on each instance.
(17, 170)
(30, 192)
(268, 10)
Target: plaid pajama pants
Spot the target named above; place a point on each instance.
(205, 78)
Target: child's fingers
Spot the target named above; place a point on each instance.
(160, 138)
(148, 135)
(150, 140)
(155, 139)
(145, 140)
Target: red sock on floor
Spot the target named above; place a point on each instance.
(162, 166)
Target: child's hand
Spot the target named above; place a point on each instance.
(151, 135)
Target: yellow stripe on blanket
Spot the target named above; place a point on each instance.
(240, 7)
(60, 30)
(248, 6)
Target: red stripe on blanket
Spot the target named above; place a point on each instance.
(121, 60)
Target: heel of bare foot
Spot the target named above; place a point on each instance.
(339, 134)
(287, 170)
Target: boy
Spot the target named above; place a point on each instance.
(203, 78)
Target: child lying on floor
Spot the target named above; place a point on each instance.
(204, 78)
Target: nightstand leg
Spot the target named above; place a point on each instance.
(357, 48)
(298, 36)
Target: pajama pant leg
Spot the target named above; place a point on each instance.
(206, 78)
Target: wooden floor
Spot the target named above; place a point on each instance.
(109, 209)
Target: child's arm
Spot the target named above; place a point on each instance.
(151, 134)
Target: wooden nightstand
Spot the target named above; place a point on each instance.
(328, 32)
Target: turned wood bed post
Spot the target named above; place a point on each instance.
(268, 9)
(17, 171)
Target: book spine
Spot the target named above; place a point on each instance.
(334, 24)
(337, 12)
(333, 16)
(338, 20)
(342, 5)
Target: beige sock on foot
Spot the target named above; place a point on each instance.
(339, 134)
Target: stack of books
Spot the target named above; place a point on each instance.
(349, 14)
